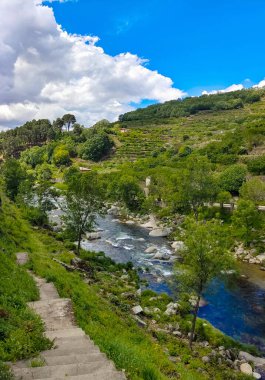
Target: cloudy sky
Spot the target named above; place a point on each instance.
(100, 58)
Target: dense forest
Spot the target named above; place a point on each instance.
(191, 106)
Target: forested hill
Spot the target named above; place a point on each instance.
(193, 105)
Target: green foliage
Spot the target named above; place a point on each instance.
(96, 147)
(34, 156)
(253, 190)
(205, 257)
(127, 190)
(184, 151)
(84, 201)
(256, 165)
(5, 373)
(21, 331)
(68, 120)
(193, 185)
(232, 178)
(35, 132)
(223, 197)
(191, 106)
(13, 176)
(61, 156)
(246, 219)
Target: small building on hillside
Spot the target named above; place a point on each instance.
(124, 130)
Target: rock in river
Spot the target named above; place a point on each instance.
(151, 249)
(93, 235)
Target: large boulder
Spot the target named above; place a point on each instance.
(93, 235)
(161, 256)
(151, 223)
(160, 232)
(178, 245)
(261, 258)
(250, 358)
(137, 310)
(246, 369)
(114, 210)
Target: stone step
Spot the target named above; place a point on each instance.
(43, 304)
(64, 359)
(70, 332)
(56, 324)
(48, 292)
(78, 342)
(62, 371)
(64, 351)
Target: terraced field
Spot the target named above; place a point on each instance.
(143, 138)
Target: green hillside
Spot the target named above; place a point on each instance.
(150, 129)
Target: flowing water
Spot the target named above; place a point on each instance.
(237, 308)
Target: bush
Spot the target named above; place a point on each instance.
(253, 190)
(232, 178)
(96, 147)
(35, 156)
(5, 373)
(61, 156)
(257, 165)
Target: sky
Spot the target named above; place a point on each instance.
(101, 58)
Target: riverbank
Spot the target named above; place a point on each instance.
(158, 228)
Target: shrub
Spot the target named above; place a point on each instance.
(5, 373)
(257, 165)
(96, 147)
(232, 178)
(61, 156)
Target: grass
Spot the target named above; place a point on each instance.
(140, 353)
(21, 331)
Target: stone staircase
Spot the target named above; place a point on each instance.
(74, 356)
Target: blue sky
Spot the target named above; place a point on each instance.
(199, 44)
(52, 63)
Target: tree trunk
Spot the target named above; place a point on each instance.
(192, 333)
(79, 242)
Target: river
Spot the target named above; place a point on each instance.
(237, 308)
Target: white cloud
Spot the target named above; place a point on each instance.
(261, 84)
(233, 87)
(45, 72)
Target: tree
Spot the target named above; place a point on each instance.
(78, 129)
(253, 190)
(194, 185)
(205, 257)
(13, 175)
(84, 201)
(127, 190)
(68, 120)
(232, 178)
(58, 125)
(96, 147)
(246, 220)
(35, 156)
(223, 197)
(257, 165)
